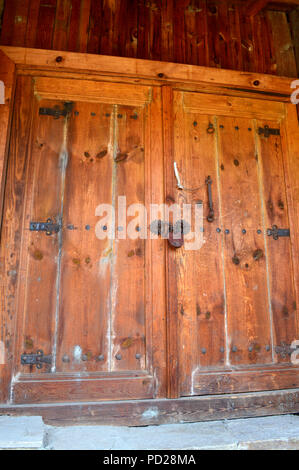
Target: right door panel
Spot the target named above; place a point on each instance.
(236, 294)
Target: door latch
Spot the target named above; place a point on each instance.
(49, 227)
(37, 359)
(56, 112)
(210, 217)
(170, 231)
(276, 232)
(267, 131)
(285, 350)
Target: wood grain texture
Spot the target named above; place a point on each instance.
(247, 303)
(162, 72)
(85, 267)
(135, 412)
(120, 388)
(170, 265)
(290, 128)
(282, 42)
(200, 291)
(7, 76)
(284, 310)
(39, 259)
(246, 381)
(12, 225)
(215, 33)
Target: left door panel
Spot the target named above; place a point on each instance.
(86, 157)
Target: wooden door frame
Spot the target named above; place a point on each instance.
(169, 76)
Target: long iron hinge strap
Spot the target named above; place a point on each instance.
(267, 131)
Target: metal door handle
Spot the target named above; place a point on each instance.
(210, 217)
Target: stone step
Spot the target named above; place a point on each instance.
(272, 432)
(21, 432)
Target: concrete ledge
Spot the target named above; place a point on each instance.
(21, 432)
(275, 432)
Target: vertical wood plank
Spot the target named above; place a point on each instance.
(74, 26)
(7, 76)
(32, 23)
(61, 27)
(11, 226)
(171, 281)
(108, 21)
(283, 300)
(131, 35)
(125, 37)
(83, 332)
(155, 30)
(39, 260)
(213, 40)
(200, 283)
(258, 44)
(248, 313)
(15, 23)
(167, 39)
(294, 21)
(223, 37)
(195, 32)
(290, 132)
(128, 309)
(235, 36)
(283, 46)
(156, 249)
(179, 31)
(45, 29)
(95, 27)
(84, 25)
(248, 51)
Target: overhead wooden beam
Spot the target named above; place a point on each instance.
(162, 72)
(256, 6)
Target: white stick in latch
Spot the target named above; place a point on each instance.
(176, 172)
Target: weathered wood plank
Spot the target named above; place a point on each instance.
(11, 226)
(15, 22)
(153, 412)
(284, 311)
(283, 46)
(125, 388)
(170, 197)
(199, 268)
(290, 132)
(45, 28)
(84, 257)
(7, 76)
(128, 311)
(148, 69)
(37, 290)
(167, 30)
(246, 381)
(61, 25)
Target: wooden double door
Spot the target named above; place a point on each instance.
(91, 317)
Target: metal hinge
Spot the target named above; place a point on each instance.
(278, 232)
(267, 131)
(49, 227)
(285, 350)
(37, 359)
(56, 112)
